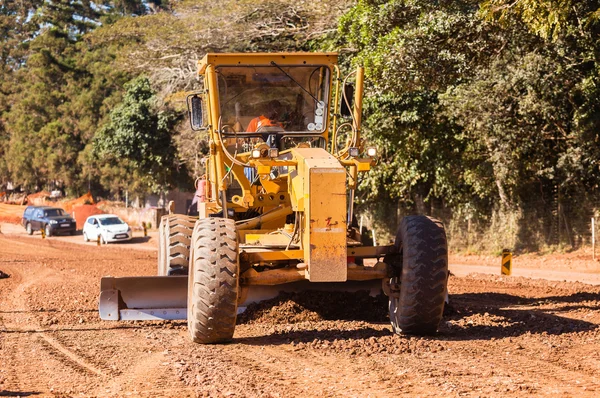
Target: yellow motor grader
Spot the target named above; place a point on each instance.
(277, 210)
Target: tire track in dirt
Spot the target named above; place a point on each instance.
(29, 345)
(551, 371)
(63, 356)
(220, 370)
(8, 349)
(326, 375)
(69, 357)
(141, 379)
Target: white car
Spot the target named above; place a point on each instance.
(108, 227)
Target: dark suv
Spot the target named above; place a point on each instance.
(52, 220)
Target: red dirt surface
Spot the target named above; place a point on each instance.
(581, 260)
(11, 213)
(501, 336)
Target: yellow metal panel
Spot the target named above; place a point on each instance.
(254, 256)
(326, 216)
(267, 239)
(205, 209)
(297, 58)
(364, 164)
(318, 186)
(264, 170)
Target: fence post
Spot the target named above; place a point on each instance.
(593, 240)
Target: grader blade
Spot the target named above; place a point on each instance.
(150, 298)
(143, 298)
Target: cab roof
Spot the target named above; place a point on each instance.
(288, 58)
(44, 207)
(105, 216)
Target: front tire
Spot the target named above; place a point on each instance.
(48, 230)
(29, 229)
(419, 306)
(213, 281)
(174, 240)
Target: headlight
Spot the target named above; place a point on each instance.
(256, 153)
(53, 222)
(273, 152)
(353, 152)
(372, 152)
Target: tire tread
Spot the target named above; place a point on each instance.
(423, 276)
(214, 281)
(174, 234)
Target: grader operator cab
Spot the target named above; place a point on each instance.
(277, 208)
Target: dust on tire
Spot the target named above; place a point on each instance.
(174, 239)
(213, 284)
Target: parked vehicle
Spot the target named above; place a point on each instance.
(109, 227)
(53, 220)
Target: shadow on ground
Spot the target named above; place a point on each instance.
(470, 316)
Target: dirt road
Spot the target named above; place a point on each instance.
(501, 337)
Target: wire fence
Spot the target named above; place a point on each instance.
(542, 224)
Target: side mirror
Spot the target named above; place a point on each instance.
(347, 100)
(195, 112)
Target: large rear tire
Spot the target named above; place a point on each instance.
(423, 277)
(213, 281)
(174, 239)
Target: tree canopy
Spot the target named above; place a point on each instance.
(475, 110)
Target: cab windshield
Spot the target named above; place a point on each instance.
(276, 98)
(54, 213)
(111, 221)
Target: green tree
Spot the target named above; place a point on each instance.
(16, 30)
(547, 18)
(472, 112)
(413, 52)
(137, 138)
(62, 86)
